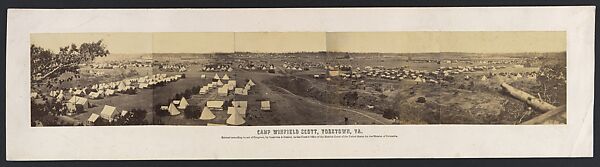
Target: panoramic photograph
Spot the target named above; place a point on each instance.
(298, 78)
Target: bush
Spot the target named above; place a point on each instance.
(138, 116)
(421, 100)
(389, 113)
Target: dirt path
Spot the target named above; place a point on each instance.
(313, 101)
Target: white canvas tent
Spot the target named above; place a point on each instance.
(203, 90)
(225, 77)
(76, 104)
(418, 79)
(216, 77)
(183, 104)
(164, 108)
(122, 86)
(219, 83)
(235, 119)
(222, 91)
(265, 105)
(251, 83)
(123, 113)
(109, 113)
(173, 110)
(207, 114)
(519, 75)
(215, 105)
(93, 118)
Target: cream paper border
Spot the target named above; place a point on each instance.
(192, 142)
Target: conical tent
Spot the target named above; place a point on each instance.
(251, 83)
(173, 110)
(183, 104)
(483, 78)
(216, 76)
(207, 114)
(235, 119)
(225, 77)
(219, 83)
(122, 86)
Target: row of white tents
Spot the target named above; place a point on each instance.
(101, 90)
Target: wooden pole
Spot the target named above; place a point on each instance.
(527, 98)
(541, 119)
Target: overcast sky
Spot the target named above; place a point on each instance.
(385, 42)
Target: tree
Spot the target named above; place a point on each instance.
(45, 63)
